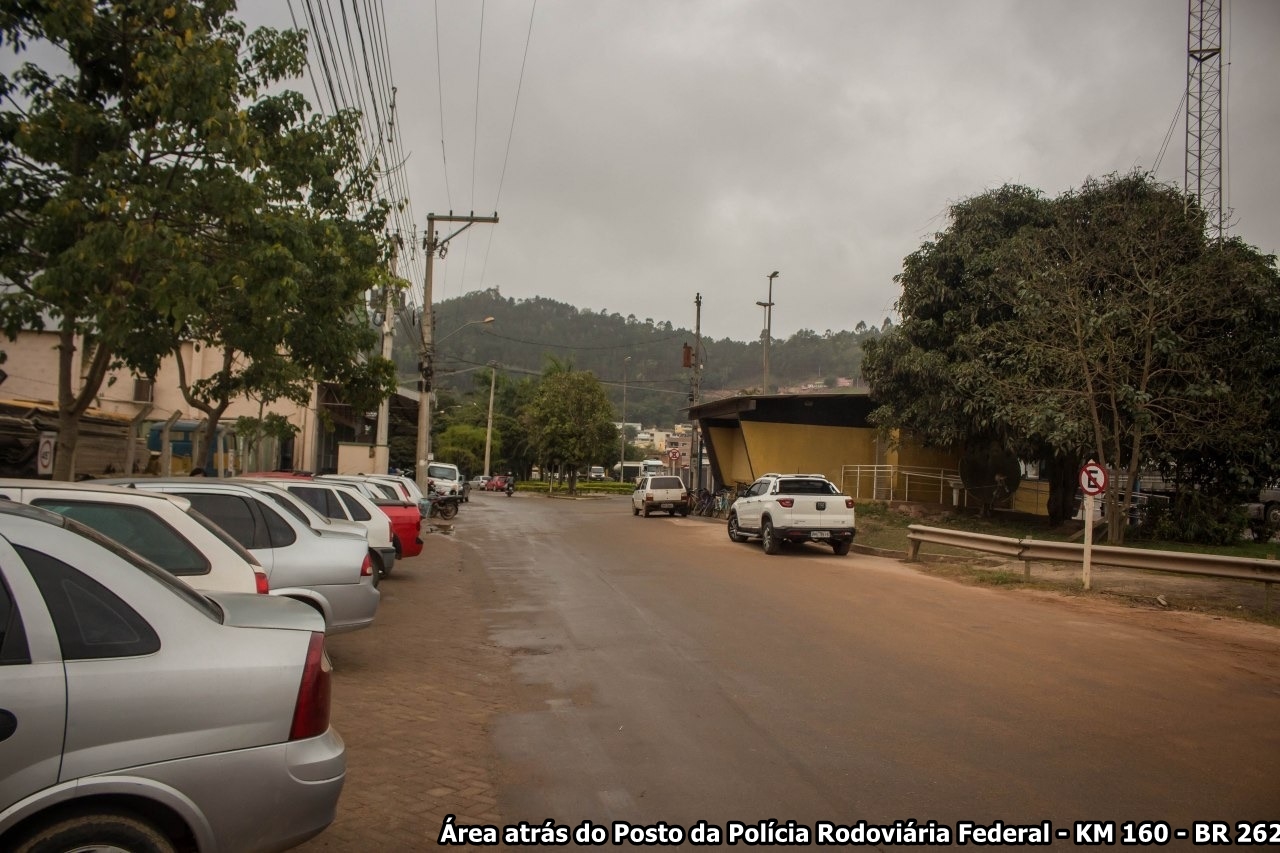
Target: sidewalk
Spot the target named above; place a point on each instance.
(413, 696)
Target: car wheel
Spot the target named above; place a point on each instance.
(635, 510)
(646, 512)
(106, 831)
(1272, 514)
(768, 539)
(448, 509)
(380, 571)
(735, 534)
(841, 548)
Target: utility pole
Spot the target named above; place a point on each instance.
(696, 439)
(488, 432)
(768, 329)
(384, 408)
(432, 244)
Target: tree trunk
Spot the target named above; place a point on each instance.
(1062, 488)
(72, 405)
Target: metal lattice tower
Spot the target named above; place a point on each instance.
(1203, 176)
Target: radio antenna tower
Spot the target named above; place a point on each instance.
(1203, 177)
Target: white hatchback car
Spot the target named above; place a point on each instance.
(324, 564)
(163, 528)
(137, 714)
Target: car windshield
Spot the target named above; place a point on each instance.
(442, 472)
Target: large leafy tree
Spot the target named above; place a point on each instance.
(1134, 337)
(1102, 323)
(570, 421)
(132, 180)
(918, 369)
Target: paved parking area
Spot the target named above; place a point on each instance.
(413, 696)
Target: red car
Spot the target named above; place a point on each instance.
(496, 484)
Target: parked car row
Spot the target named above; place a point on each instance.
(163, 677)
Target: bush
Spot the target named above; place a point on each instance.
(1194, 517)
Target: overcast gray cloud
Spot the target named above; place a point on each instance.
(680, 146)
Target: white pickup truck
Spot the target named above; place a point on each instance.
(793, 508)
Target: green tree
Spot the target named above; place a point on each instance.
(1094, 324)
(570, 421)
(917, 370)
(1133, 335)
(124, 173)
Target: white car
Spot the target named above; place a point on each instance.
(163, 528)
(307, 557)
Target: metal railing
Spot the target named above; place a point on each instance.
(897, 482)
(1026, 550)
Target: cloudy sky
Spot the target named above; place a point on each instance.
(670, 147)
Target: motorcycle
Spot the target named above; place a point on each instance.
(510, 488)
(443, 507)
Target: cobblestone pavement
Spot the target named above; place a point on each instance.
(413, 696)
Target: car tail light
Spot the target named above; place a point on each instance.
(848, 503)
(366, 568)
(787, 502)
(648, 496)
(391, 531)
(311, 711)
(260, 582)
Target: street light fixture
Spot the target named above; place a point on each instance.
(424, 396)
(768, 328)
(622, 459)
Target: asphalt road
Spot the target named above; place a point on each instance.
(664, 674)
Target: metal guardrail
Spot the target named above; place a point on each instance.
(1178, 562)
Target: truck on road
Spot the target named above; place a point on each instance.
(794, 508)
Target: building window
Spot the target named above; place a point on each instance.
(144, 390)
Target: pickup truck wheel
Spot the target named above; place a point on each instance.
(841, 548)
(735, 534)
(768, 539)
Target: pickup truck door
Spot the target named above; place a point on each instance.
(750, 507)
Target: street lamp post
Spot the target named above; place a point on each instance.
(768, 328)
(488, 432)
(424, 396)
(622, 459)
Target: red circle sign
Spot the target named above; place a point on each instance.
(1093, 479)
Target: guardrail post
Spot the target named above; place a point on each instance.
(913, 552)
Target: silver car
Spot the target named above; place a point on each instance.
(162, 528)
(326, 565)
(137, 714)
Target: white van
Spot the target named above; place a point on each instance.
(596, 472)
(444, 479)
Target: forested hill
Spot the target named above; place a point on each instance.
(526, 334)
